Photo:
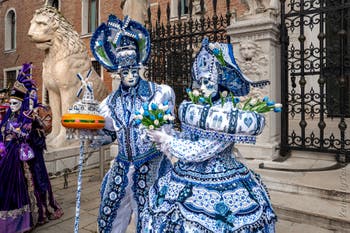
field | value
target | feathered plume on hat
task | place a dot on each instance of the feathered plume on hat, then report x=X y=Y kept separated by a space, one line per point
x=120 y=44
x=217 y=62
x=23 y=84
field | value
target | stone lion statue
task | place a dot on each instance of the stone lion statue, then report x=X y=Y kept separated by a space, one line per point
x=137 y=10
x=65 y=56
x=259 y=6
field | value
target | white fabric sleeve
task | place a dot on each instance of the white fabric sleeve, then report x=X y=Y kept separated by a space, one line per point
x=194 y=151
x=106 y=113
x=164 y=93
x=106 y=135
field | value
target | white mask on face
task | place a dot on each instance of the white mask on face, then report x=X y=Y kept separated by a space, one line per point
x=208 y=87
x=130 y=77
x=15 y=105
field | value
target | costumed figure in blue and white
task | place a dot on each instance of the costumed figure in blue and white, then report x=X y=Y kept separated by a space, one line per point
x=123 y=48
x=209 y=190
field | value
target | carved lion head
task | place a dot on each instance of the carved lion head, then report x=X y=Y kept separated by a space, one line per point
x=49 y=28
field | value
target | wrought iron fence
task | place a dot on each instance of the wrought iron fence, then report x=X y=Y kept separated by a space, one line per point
x=175 y=42
x=315 y=53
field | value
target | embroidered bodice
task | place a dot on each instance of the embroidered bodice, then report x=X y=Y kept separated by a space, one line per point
x=13 y=129
x=212 y=130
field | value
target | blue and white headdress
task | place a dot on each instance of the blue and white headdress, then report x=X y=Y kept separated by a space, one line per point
x=121 y=44
x=216 y=61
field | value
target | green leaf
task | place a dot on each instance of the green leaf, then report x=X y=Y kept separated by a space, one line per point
x=246 y=104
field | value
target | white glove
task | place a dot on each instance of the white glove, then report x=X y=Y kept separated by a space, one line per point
x=160 y=138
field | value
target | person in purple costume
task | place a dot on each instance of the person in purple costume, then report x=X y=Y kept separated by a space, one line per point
x=15 y=203
x=20 y=198
x=48 y=208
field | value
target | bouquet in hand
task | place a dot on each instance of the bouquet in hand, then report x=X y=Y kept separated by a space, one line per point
x=260 y=105
x=153 y=116
x=251 y=104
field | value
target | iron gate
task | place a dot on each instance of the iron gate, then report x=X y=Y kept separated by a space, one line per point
x=315 y=54
x=175 y=42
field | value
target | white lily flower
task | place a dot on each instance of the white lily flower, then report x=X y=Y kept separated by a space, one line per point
x=140 y=117
x=171 y=118
x=253 y=102
x=156 y=122
x=166 y=117
x=224 y=94
x=278 y=105
x=196 y=93
x=151 y=127
x=163 y=107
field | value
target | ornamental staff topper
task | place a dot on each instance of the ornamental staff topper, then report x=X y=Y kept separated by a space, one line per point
x=83 y=121
x=84 y=113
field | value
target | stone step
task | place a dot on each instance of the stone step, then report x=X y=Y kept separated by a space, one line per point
x=284 y=226
x=326 y=214
x=330 y=194
x=332 y=185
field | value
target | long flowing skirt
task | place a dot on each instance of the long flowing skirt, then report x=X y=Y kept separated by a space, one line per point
x=15 y=209
x=48 y=207
x=219 y=195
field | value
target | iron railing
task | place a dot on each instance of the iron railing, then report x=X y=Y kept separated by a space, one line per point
x=315 y=56
x=175 y=42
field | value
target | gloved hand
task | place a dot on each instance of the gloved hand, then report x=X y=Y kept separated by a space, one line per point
x=160 y=138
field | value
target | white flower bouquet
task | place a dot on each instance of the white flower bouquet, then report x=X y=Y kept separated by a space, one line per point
x=251 y=104
x=153 y=116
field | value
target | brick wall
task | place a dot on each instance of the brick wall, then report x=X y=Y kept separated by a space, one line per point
x=25 y=50
x=235 y=6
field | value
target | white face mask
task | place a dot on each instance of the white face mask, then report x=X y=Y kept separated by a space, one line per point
x=15 y=105
x=208 y=87
x=130 y=77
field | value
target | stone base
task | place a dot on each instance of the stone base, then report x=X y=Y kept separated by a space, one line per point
x=58 y=160
x=262 y=151
x=320 y=199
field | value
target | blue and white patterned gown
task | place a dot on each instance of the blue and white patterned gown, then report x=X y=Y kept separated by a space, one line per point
x=208 y=190
x=138 y=163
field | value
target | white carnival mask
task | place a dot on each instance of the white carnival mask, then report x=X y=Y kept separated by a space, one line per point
x=15 y=105
x=208 y=86
x=129 y=76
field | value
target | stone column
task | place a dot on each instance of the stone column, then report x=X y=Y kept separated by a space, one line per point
x=255 y=40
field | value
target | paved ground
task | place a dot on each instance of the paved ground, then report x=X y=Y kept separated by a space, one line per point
x=90 y=202
x=66 y=197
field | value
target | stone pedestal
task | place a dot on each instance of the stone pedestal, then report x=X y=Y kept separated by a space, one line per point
x=58 y=160
x=255 y=42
